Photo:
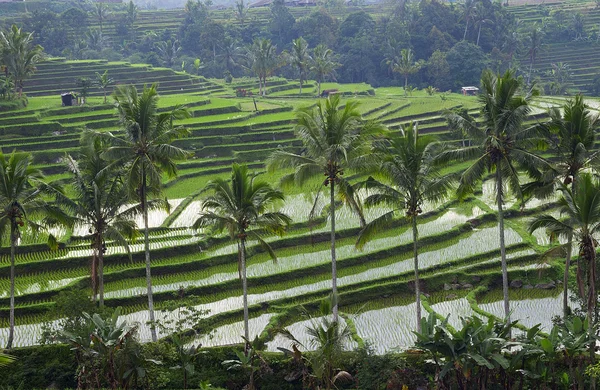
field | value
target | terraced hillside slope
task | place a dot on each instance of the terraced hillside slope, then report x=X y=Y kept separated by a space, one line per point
x=459 y=240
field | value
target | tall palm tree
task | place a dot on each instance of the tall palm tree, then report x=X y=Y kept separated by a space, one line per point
x=571 y=135
x=323 y=65
x=406 y=66
x=534 y=46
x=300 y=58
x=501 y=144
x=22 y=206
x=581 y=221
x=263 y=60
x=103 y=81
x=99 y=201
x=334 y=142
x=101 y=12
x=407 y=164
x=481 y=18
x=145 y=150
x=242 y=208
x=468 y=11
x=20 y=55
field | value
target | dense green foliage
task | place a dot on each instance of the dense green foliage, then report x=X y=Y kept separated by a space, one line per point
x=451 y=42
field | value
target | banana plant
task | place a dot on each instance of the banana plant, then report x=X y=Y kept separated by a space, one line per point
x=475 y=353
x=98 y=350
x=327 y=339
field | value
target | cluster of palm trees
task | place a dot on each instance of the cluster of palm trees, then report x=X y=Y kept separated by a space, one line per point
x=111 y=173
x=263 y=60
x=118 y=176
x=406 y=168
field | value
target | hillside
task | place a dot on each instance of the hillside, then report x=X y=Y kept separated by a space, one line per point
x=459 y=240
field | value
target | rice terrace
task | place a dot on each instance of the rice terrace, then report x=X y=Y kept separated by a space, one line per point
x=175 y=229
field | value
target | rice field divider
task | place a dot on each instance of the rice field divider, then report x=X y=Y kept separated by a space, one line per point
x=292 y=276
x=268 y=288
x=70 y=252
x=290 y=280
x=141 y=305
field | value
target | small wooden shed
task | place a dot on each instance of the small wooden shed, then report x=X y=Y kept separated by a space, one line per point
x=68 y=98
x=469 y=90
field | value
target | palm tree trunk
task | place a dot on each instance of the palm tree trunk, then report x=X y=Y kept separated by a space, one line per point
x=502 y=243
x=566 y=277
x=101 y=275
x=318 y=88
x=300 y=83
x=530 y=69
x=466 y=27
x=405 y=84
x=94 y=273
x=242 y=250
x=13 y=249
x=417 y=281
x=333 y=258
x=478 y=35
x=591 y=310
x=147 y=253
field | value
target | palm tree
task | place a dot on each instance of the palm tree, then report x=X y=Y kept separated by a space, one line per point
x=406 y=66
x=468 y=11
x=407 y=161
x=262 y=57
x=240 y=11
x=581 y=221
x=146 y=151
x=481 y=18
x=231 y=54
x=571 y=136
x=300 y=58
x=168 y=51
x=20 y=55
x=103 y=81
x=101 y=12
x=323 y=65
x=334 y=142
x=22 y=205
x=100 y=196
x=534 y=46
x=240 y=207
x=501 y=144
x=95 y=39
